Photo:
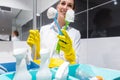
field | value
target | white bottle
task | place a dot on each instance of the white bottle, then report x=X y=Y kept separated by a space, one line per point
x=21 y=68
x=44 y=72
x=62 y=72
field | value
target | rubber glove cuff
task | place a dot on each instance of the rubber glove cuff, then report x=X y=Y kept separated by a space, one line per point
x=55 y=62
x=37 y=61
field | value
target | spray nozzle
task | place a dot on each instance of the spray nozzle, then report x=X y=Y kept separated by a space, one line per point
x=20 y=54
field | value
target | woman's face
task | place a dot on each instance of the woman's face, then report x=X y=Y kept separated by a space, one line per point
x=63 y=6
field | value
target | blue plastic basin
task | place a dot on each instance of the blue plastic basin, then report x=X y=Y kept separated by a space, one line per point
x=12 y=66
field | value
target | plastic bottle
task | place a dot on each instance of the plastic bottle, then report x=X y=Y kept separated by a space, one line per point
x=44 y=72
x=21 y=68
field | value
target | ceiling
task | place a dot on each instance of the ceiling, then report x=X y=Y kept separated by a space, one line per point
x=15 y=12
x=18 y=6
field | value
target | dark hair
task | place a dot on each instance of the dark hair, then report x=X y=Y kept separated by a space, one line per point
x=16 y=33
x=74 y=4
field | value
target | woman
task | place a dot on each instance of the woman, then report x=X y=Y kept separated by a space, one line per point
x=15 y=35
x=69 y=42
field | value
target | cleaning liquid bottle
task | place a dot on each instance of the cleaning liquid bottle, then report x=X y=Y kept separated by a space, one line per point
x=62 y=72
x=21 y=68
x=44 y=72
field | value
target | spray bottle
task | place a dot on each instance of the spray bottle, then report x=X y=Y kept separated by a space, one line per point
x=21 y=68
x=44 y=72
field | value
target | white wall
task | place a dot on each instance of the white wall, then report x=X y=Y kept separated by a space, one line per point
x=6 y=49
x=6 y=46
x=104 y=52
x=42 y=5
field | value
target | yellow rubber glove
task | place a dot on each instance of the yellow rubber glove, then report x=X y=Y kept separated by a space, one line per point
x=66 y=46
x=34 y=40
x=55 y=62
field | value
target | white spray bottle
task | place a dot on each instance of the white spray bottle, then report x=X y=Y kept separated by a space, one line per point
x=44 y=72
x=62 y=72
x=21 y=68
